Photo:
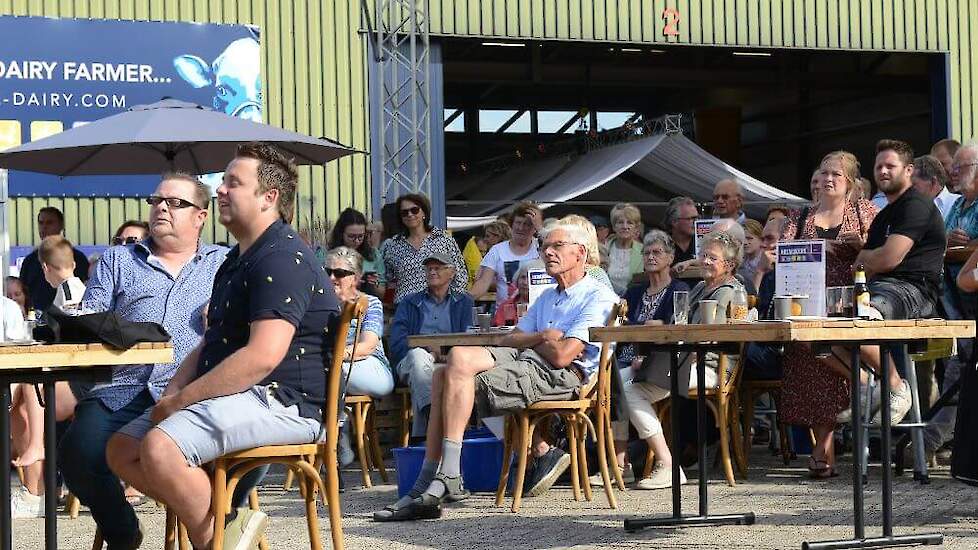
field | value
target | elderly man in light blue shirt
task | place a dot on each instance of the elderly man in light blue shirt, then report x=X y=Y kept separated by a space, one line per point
x=548 y=356
x=165 y=279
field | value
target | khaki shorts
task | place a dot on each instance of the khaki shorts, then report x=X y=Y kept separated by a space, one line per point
x=519 y=379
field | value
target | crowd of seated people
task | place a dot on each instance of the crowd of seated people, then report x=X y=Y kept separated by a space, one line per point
x=250 y=330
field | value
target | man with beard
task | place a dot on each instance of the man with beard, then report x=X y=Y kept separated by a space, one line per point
x=903 y=257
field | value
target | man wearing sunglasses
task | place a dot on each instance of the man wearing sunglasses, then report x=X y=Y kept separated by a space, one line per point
x=257 y=377
x=166 y=279
x=50 y=221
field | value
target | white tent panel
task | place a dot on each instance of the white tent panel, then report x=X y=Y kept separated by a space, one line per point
x=671 y=162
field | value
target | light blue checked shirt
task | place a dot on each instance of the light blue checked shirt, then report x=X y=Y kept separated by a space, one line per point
x=573 y=310
x=132 y=282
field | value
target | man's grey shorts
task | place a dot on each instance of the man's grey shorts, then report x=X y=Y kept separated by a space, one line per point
x=898 y=299
x=221 y=425
x=519 y=379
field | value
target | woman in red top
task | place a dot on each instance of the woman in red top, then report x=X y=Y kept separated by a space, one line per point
x=815 y=393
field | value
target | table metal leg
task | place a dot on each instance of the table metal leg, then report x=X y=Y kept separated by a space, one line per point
x=50 y=470
x=860 y=540
x=677 y=519
x=6 y=537
x=677 y=490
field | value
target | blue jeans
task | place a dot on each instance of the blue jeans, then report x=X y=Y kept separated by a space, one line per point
x=81 y=458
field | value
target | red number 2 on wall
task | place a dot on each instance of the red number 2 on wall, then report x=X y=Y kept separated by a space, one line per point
x=672 y=18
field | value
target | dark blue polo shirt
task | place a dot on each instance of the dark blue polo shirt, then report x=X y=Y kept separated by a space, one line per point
x=277 y=278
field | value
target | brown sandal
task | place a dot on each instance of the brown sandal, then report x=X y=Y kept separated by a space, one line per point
x=820 y=469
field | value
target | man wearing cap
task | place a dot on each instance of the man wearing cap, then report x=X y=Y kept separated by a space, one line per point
x=436 y=310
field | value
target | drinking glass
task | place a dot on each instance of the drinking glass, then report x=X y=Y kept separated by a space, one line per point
x=680 y=307
x=838 y=301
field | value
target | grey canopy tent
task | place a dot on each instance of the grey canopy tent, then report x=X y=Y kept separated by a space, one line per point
x=671 y=163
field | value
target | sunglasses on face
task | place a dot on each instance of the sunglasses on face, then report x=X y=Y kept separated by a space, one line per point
x=339 y=273
x=128 y=240
x=413 y=211
x=172 y=202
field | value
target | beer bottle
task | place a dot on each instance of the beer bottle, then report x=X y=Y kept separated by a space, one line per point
x=860 y=291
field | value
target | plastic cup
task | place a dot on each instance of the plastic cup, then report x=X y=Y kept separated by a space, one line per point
x=708 y=312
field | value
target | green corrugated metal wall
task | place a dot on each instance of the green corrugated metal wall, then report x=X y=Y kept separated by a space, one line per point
x=314 y=81
x=315 y=78
x=918 y=25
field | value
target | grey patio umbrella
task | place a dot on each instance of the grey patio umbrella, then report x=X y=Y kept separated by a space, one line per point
x=167 y=135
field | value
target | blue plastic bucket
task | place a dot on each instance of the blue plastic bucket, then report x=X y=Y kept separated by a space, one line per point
x=482 y=460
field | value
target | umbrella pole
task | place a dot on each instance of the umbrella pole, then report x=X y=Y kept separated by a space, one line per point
x=4 y=240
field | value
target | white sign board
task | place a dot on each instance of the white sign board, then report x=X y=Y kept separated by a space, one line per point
x=701 y=229
x=801 y=271
x=539 y=281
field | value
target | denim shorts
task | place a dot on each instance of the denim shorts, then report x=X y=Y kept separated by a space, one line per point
x=214 y=427
x=899 y=299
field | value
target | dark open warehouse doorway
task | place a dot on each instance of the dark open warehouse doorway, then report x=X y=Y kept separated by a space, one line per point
x=771 y=113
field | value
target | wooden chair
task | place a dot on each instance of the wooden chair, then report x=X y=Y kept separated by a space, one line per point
x=749 y=392
x=362 y=415
x=307 y=458
x=724 y=402
x=406 y=414
x=594 y=396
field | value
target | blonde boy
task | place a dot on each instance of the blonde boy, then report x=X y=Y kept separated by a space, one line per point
x=58 y=264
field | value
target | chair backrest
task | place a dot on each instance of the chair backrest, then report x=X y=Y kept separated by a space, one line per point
x=335 y=381
x=727 y=382
x=601 y=388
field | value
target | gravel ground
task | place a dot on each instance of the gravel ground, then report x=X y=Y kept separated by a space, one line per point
x=790 y=509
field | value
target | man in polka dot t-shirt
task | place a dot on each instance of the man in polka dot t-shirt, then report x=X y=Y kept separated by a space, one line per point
x=257 y=379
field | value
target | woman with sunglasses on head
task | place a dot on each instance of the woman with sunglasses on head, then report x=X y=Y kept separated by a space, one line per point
x=816 y=393
x=371 y=373
x=416 y=240
x=350 y=230
x=131 y=231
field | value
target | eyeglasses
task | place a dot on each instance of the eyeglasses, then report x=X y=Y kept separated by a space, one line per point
x=172 y=202
x=413 y=211
x=116 y=241
x=956 y=168
x=555 y=245
x=655 y=252
x=339 y=273
x=354 y=237
x=436 y=268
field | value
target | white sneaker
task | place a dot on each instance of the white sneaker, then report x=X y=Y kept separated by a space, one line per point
x=25 y=505
x=627 y=475
x=901 y=401
x=845 y=417
x=661 y=478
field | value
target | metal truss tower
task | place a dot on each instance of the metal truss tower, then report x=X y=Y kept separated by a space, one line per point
x=401 y=98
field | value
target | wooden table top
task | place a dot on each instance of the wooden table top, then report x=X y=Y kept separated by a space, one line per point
x=789 y=331
x=489 y=338
x=19 y=357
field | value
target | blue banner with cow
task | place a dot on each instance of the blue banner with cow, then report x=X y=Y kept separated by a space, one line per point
x=59 y=73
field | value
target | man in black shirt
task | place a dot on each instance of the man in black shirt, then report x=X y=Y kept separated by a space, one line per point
x=257 y=379
x=50 y=221
x=903 y=257
x=904 y=250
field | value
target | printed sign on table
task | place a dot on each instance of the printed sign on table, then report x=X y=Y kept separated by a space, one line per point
x=539 y=281
x=701 y=228
x=801 y=271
